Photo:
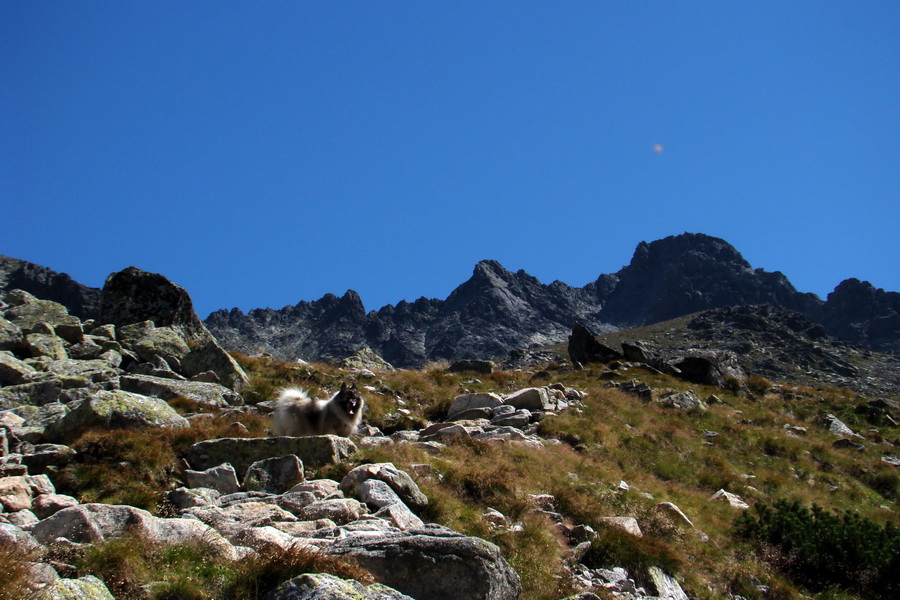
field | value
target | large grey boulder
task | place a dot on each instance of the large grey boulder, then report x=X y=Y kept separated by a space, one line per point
x=321 y=586
x=132 y=296
x=339 y=510
x=94 y=523
x=212 y=357
x=11 y=337
x=231 y=520
x=205 y=394
x=29 y=315
x=314 y=451
x=221 y=478
x=537 y=398
x=82 y=373
x=433 y=562
x=116 y=410
x=161 y=341
x=274 y=475
x=399 y=481
x=48 y=345
x=37 y=393
x=14 y=371
x=466 y=402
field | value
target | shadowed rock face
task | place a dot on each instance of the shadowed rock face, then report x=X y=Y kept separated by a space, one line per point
x=132 y=296
x=682 y=274
x=81 y=300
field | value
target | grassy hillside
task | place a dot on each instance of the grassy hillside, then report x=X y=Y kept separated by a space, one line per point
x=765 y=444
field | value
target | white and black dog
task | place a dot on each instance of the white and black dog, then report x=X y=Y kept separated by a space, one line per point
x=297 y=414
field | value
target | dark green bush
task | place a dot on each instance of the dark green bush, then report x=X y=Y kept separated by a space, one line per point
x=820 y=549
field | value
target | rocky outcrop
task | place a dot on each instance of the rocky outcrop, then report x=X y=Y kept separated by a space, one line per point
x=682 y=274
x=81 y=300
x=132 y=296
x=858 y=312
x=721 y=347
x=434 y=562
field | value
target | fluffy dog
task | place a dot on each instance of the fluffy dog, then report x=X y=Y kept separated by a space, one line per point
x=297 y=414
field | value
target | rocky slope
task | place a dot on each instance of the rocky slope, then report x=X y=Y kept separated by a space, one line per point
x=768 y=341
x=574 y=482
x=497 y=311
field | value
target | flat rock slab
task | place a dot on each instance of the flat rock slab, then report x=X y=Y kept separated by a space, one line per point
x=314 y=451
x=205 y=394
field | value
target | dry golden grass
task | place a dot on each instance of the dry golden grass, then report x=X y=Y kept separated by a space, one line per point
x=663 y=454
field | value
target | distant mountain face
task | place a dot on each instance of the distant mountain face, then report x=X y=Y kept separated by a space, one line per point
x=497 y=311
x=491 y=314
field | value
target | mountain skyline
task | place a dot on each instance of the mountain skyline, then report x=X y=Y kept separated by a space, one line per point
x=260 y=156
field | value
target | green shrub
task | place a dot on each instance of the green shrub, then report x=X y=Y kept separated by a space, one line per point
x=821 y=549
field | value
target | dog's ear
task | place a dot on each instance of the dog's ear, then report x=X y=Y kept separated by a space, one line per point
x=343 y=386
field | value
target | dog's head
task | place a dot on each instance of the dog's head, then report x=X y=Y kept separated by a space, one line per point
x=350 y=399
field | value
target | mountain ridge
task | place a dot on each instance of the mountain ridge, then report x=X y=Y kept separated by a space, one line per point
x=497 y=311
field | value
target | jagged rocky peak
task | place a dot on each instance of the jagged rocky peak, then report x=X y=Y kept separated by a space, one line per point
x=696 y=250
x=859 y=312
x=681 y=274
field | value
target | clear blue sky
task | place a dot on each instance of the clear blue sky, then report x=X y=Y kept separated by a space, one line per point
x=264 y=153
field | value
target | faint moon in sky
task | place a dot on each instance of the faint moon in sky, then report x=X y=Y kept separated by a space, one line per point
x=658 y=148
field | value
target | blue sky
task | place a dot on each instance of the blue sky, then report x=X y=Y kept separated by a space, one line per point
x=264 y=153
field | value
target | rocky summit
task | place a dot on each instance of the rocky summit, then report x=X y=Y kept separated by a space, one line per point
x=497 y=312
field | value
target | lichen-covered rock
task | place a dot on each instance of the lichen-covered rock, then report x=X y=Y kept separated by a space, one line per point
x=433 y=562
x=11 y=337
x=212 y=357
x=399 y=481
x=26 y=316
x=161 y=341
x=116 y=410
x=314 y=451
x=205 y=394
x=80 y=373
x=84 y=588
x=14 y=371
x=33 y=393
x=686 y=400
x=320 y=586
